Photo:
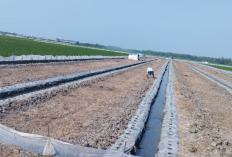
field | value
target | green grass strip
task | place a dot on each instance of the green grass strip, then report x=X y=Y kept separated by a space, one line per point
x=19 y=46
x=220 y=67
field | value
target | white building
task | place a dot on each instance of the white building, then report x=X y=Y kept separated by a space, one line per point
x=133 y=57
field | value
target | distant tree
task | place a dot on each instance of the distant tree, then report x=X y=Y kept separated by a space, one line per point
x=221 y=60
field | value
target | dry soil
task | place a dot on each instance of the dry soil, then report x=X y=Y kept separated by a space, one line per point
x=16 y=74
x=205 y=120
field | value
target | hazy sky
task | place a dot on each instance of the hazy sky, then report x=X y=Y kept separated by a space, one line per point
x=197 y=27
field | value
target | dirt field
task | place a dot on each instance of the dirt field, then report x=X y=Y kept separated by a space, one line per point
x=93 y=113
x=205 y=120
x=219 y=74
x=11 y=75
x=15 y=151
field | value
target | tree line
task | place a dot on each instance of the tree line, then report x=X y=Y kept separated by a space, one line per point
x=222 y=60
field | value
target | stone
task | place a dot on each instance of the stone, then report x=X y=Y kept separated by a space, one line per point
x=192 y=149
x=16 y=151
x=214 y=144
x=139 y=147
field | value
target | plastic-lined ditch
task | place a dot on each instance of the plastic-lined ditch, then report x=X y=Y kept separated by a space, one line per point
x=43 y=84
x=169 y=139
x=151 y=136
x=132 y=135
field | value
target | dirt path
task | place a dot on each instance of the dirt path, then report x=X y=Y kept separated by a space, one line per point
x=93 y=113
x=205 y=120
x=11 y=75
x=217 y=73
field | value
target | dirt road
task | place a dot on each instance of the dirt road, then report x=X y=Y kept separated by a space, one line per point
x=93 y=113
x=205 y=120
x=11 y=75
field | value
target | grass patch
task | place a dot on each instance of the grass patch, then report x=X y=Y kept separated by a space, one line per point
x=220 y=67
x=19 y=46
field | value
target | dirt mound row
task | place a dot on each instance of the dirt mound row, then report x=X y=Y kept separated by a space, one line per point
x=204 y=114
x=17 y=74
x=224 y=76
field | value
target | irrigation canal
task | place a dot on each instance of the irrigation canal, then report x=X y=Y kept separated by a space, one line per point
x=151 y=136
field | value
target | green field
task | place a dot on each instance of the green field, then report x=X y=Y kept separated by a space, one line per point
x=220 y=67
x=17 y=46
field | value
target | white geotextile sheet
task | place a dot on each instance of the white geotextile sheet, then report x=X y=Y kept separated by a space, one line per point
x=50 y=57
x=37 y=144
x=136 y=125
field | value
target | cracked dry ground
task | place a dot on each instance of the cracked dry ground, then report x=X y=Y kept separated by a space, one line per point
x=204 y=119
x=92 y=113
x=224 y=76
x=16 y=74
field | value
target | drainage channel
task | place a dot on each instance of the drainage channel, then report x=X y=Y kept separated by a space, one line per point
x=151 y=137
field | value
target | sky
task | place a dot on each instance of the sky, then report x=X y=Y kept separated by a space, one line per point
x=196 y=27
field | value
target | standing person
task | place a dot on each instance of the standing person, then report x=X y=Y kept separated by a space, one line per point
x=150 y=72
